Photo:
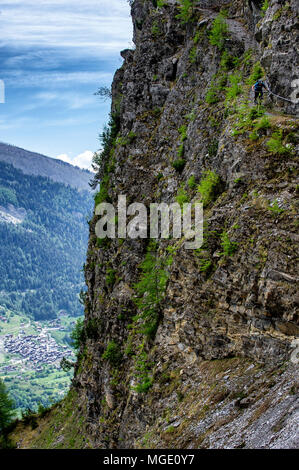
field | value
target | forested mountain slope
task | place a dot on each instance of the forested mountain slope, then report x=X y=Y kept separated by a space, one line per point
x=32 y=163
x=43 y=233
x=43 y=239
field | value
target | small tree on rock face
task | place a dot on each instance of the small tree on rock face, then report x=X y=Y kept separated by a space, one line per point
x=6 y=408
x=219 y=31
x=66 y=365
x=186 y=10
x=104 y=92
x=78 y=334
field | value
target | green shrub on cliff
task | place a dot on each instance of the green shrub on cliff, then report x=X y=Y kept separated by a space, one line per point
x=275 y=208
x=257 y=73
x=265 y=6
x=186 y=8
x=254 y=135
x=191 y=182
x=102 y=195
x=182 y=196
x=156 y=31
x=78 y=334
x=263 y=123
x=275 y=144
x=205 y=265
x=179 y=164
x=122 y=141
x=100 y=161
x=228 y=62
x=92 y=328
x=181 y=150
x=142 y=371
x=212 y=94
x=235 y=88
x=219 y=31
x=110 y=277
x=150 y=290
x=229 y=247
x=198 y=35
x=112 y=353
x=209 y=187
x=213 y=148
x=245 y=117
x=216 y=86
x=183 y=132
x=193 y=55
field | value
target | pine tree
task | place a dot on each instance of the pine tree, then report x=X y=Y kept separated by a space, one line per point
x=6 y=408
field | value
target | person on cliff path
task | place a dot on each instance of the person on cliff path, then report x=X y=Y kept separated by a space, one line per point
x=258 y=91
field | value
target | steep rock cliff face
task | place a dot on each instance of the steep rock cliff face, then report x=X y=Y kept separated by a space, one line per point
x=207 y=356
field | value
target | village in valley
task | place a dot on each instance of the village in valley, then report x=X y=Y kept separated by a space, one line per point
x=30 y=351
x=36 y=349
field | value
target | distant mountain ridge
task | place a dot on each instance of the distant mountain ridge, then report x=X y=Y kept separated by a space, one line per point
x=32 y=163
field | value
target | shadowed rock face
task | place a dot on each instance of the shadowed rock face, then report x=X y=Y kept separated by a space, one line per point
x=217 y=372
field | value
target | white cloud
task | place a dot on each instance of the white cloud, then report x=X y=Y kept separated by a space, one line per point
x=69 y=100
x=83 y=160
x=100 y=26
x=53 y=79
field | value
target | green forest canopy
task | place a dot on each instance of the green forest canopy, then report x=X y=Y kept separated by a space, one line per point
x=41 y=259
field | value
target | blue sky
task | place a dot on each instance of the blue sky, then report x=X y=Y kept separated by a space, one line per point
x=54 y=54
